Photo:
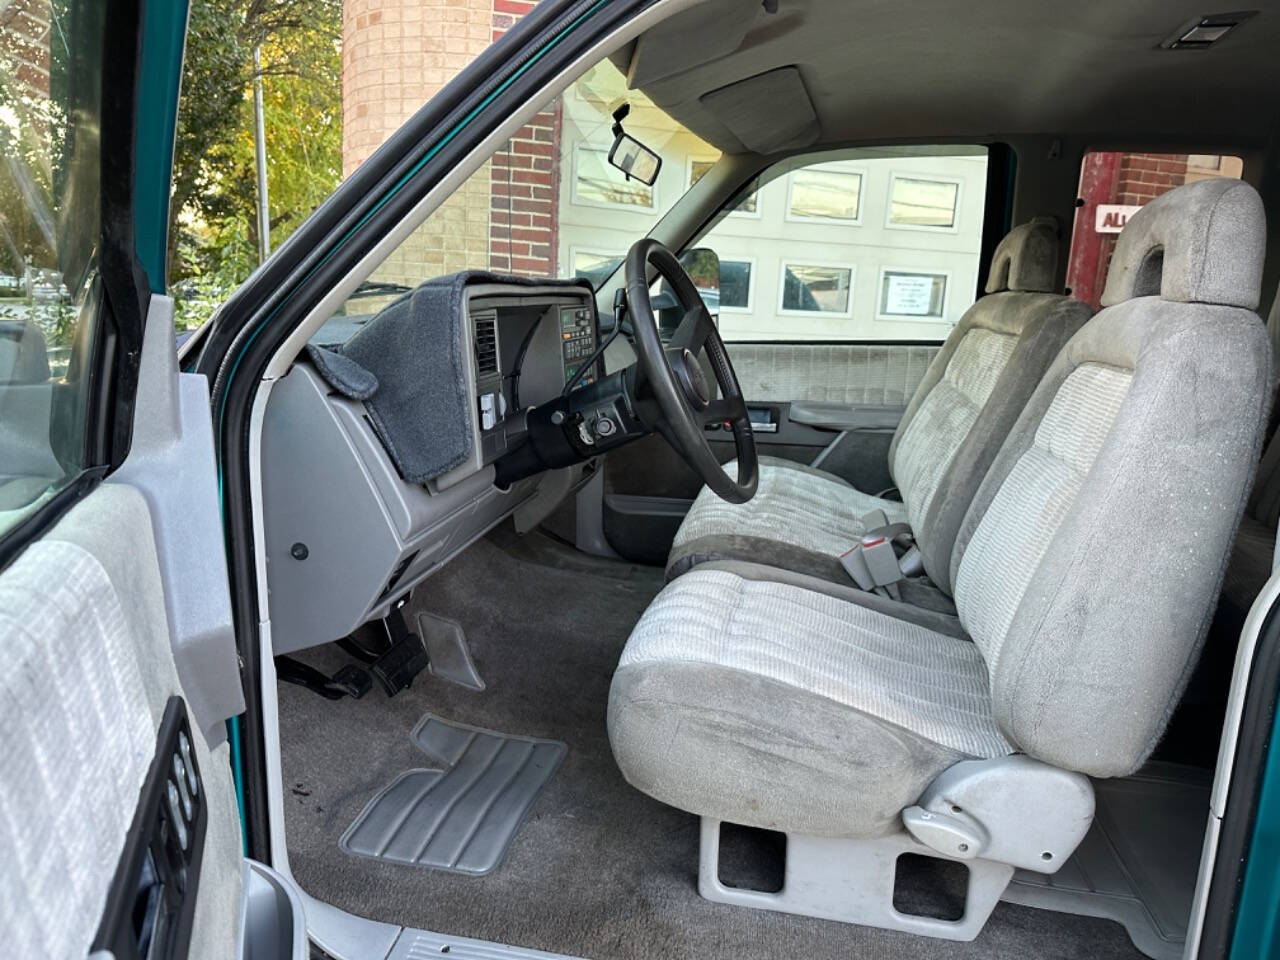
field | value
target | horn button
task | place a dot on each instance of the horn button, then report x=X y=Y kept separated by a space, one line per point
x=688 y=373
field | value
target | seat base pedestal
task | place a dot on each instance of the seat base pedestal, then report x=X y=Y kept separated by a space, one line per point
x=853 y=881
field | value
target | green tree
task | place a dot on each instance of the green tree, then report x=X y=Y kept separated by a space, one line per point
x=213 y=222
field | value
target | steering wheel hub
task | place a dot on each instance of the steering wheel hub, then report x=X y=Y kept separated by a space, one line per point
x=689 y=375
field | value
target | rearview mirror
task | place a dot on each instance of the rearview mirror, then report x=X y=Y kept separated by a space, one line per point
x=634 y=159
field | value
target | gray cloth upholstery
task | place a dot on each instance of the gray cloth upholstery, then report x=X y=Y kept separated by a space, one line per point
x=1026 y=259
x=1036 y=326
x=1192 y=245
x=850 y=374
x=342 y=373
x=829 y=726
x=1086 y=572
x=1093 y=650
x=1143 y=435
x=912 y=608
x=801 y=519
x=948 y=436
x=82 y=614
x=415 y=350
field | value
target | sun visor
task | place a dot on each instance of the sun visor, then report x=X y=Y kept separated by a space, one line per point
x=768 y=112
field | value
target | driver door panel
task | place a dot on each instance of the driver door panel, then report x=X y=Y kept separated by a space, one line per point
x=90 y=673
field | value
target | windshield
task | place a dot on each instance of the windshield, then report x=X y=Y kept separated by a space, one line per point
x=875 y=243
x=548 y=203
x=602 y=213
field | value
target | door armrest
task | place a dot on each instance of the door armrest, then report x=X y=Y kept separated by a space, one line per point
x=836 y=416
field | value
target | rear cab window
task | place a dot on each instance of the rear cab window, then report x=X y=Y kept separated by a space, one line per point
x=1113 y=187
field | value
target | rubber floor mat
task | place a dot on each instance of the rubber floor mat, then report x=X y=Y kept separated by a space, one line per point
x=463 y=812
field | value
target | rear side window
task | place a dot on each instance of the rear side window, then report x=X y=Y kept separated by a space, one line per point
x=50 y=109
x=1113 y=187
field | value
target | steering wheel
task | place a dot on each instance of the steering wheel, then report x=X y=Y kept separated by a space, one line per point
x=684 y=397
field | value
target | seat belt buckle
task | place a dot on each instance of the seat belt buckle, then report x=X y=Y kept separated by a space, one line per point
x=874 y=520
x=872 y=564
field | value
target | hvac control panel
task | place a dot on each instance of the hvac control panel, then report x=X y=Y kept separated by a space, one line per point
x=577 y=341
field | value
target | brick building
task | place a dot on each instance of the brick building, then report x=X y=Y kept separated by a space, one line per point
x=1126 y=180
x=396 y=55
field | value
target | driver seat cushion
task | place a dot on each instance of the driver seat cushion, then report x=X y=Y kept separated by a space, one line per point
x=965 y=405
x=827 y=727
x=800 y=519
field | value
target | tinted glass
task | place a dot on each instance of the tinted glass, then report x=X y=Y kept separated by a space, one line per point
x=50 y=100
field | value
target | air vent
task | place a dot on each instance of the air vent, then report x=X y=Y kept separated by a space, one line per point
x=486 y=339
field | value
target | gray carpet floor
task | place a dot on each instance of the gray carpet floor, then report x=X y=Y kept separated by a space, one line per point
x=598 y=869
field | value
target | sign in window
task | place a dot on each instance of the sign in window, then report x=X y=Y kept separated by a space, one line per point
x=906 y=295
x=923 y=203
x=816 y=288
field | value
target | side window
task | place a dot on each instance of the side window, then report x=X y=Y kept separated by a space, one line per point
x=867 y=245
x=50 y=77
x=1113 y=187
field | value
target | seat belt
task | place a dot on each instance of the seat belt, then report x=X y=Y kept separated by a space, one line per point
x=874 y=564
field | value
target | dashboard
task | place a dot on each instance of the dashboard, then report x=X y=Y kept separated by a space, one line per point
x=527 y=347
x=347 y=536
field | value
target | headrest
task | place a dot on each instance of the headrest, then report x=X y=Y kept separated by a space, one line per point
x=1026 y=259
x=23 y=356
x=1199 y=243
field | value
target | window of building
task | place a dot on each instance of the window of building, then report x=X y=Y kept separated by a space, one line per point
x=816 y=288
x=912 y=295
x=598 y=184
x=596 y=267
x=736 y=286
x=827 y=263
x=923 y=203
x=826 y=193
x=698 y=169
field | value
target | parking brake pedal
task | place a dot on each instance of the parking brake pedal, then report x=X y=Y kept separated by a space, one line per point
x=404 y=659
x=350 y=681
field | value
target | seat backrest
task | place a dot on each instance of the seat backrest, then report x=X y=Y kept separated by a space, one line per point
x=976 y=386
x=1088 y=564
x=1264 y=501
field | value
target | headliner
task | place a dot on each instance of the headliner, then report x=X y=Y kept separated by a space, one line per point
x=893 y=69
